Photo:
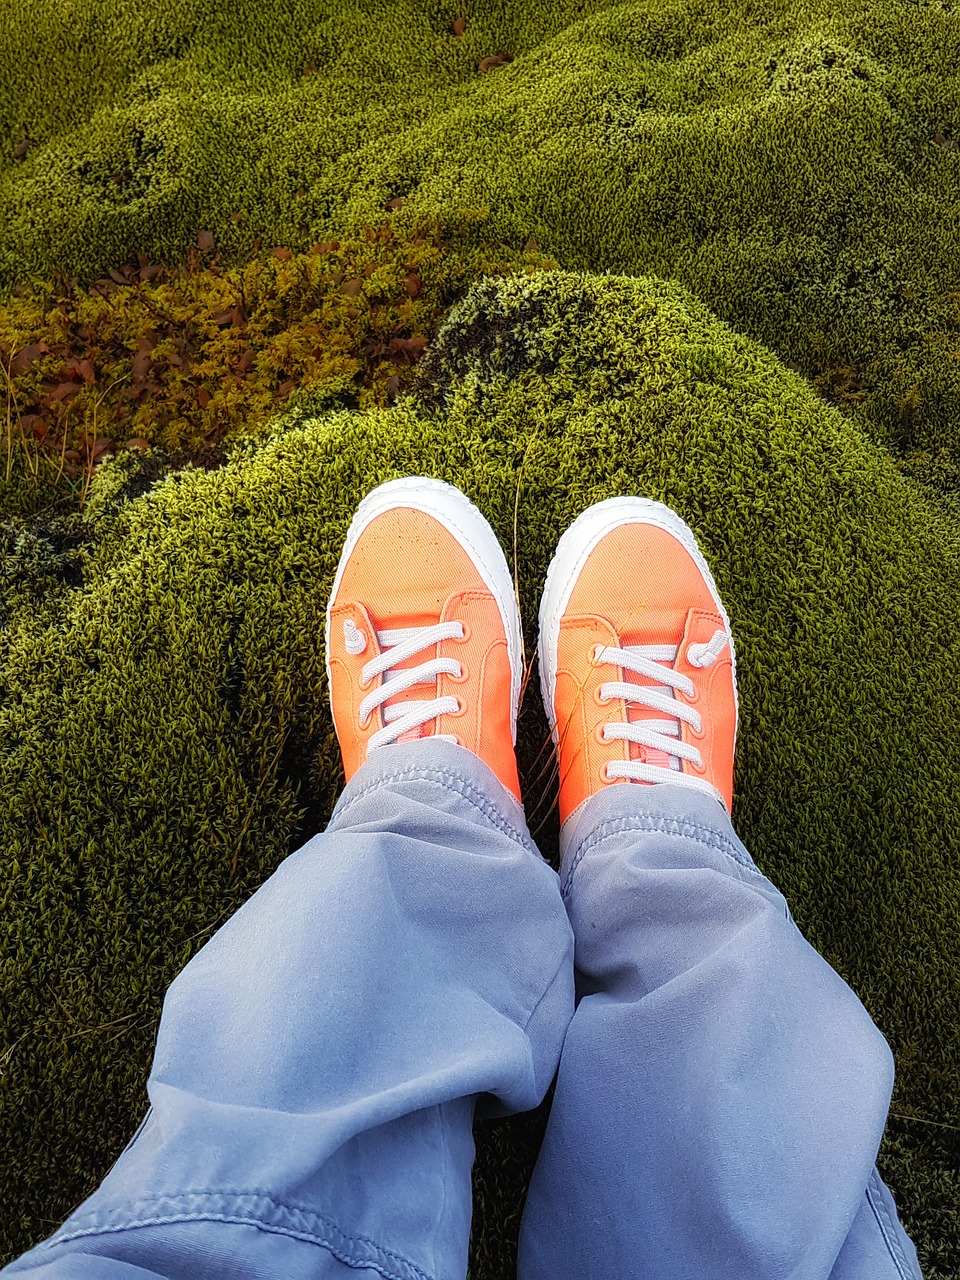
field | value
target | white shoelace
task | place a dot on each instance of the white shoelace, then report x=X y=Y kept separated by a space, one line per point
x=661 y=735
x=645 y=660
x=397 y=646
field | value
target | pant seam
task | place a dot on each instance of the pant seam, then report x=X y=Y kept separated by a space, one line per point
x=546 y=991
x=447 y=779
x=887 y=1229
x=651 y=823
x=253 y=1208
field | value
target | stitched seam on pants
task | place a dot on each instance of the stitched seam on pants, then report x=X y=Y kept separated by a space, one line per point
x=657 y=824
x=445 y=778
x=547 y=989
x=887 y=1228
x=253 y=1208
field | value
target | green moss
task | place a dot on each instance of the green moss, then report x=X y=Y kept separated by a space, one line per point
x=165 y=735
x=795 y=165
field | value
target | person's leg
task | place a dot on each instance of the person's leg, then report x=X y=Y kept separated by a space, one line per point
x=722 y=1092
x=318 y=1062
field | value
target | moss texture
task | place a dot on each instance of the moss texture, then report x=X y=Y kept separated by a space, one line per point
x=795 y=164
x=165 y=736
x=755 y=212
x=190 y=358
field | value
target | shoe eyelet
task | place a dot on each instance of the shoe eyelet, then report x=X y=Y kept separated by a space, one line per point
x=599 y=734
x=692 y=697
x=460 y=711
x=467 y=633
x=462 y=678
x=603 y=775
x=598 y=697
x=698 y=733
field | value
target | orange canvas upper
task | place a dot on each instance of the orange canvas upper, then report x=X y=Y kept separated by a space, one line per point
x=408 y=570
x=639 y=586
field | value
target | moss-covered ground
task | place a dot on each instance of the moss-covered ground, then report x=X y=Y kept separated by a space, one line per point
x=705 y=252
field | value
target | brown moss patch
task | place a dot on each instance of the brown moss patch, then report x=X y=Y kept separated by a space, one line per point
x=190 y=356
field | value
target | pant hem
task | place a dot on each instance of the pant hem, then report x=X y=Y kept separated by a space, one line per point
x=887 y=1227
x=251 y=1208
x=461 y=772
x=668 y=813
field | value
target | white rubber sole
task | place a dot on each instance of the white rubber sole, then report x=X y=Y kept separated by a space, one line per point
x=575 y=545
x=470 y=527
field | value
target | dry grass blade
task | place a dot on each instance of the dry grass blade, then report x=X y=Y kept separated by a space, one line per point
x=92 y=436
x=939 y=1124
x=32 y=459
x=516 y=575
x=9 y=423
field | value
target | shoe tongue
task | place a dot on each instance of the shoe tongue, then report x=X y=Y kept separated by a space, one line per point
x=664 y=656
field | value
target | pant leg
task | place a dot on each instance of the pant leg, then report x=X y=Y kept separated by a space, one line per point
x=319 y=1060
x=722 y=1092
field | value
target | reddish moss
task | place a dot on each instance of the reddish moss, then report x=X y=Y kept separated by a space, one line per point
x=187 y=357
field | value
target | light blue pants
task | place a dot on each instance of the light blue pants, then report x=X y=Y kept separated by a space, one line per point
x=721 y=1091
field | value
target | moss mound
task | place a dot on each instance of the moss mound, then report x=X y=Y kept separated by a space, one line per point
x=165 y=735
x=796 y=165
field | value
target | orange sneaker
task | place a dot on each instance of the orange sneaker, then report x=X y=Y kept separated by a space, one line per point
x=631 y=623
x=423 y=596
